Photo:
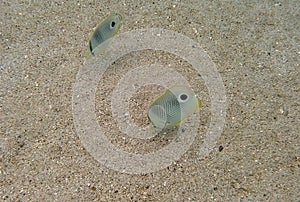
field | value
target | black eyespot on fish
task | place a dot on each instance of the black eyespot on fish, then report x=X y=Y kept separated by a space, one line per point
x=112 y=24
x=183 y=97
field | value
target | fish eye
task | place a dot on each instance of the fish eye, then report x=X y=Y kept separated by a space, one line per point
x=183 y=97
x=113 y=24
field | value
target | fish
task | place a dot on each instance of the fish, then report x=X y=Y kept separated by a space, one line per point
x=173 y=107
x=108 y=28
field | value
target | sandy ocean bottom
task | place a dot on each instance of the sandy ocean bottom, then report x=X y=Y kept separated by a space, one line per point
x=255 y=48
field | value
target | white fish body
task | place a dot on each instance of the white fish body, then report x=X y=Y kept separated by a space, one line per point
x=105 y=30
x=173 y=107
